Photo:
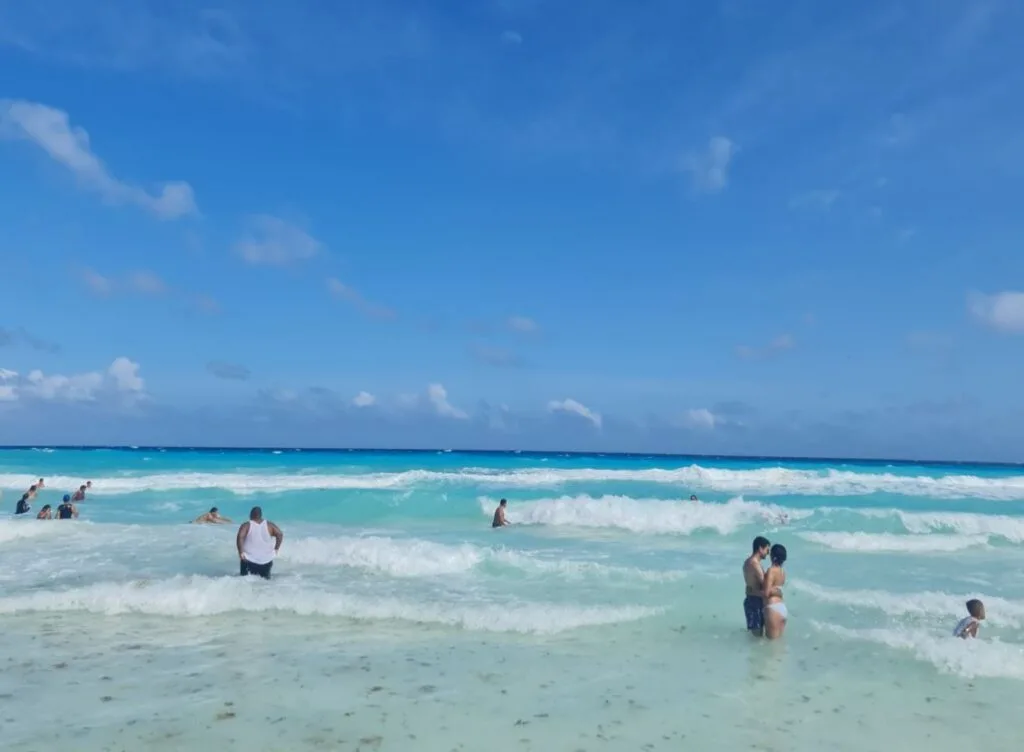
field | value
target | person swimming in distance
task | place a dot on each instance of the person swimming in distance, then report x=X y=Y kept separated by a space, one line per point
x=32 y=491
x=67 y=510
x=258 y=542
x=212 y=517
x=23 y=506
x=753 y=578
x=499 y=515
x=775 y=613
x=80 y=493
x=968 y=626
x=693 y=497
x=45 y=513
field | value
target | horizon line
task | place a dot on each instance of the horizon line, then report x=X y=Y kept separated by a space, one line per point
x=529 y=452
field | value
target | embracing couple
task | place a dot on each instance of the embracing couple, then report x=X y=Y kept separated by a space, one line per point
x=763 y=606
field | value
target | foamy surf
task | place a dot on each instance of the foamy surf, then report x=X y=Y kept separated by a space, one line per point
x=766 y=481
x=196 y=597
x=646 y=515
x=969 y=659
x=936 y=608
x=886 y=543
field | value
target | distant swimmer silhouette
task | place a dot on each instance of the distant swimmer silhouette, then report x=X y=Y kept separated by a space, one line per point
x=968 y=626
x=213 y=517
x=499 y=515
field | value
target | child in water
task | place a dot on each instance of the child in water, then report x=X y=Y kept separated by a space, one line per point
x=968 y=626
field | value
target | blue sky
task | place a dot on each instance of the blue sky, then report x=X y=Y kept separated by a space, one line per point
x=727 y=226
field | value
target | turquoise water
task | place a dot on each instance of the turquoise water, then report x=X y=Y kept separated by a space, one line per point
x=607 y=617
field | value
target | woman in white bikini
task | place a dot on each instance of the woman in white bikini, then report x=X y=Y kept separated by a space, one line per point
x=775 y=613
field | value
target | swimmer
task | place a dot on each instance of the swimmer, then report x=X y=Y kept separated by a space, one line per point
x=258 y=542
x=212 y=517
x=775 y=613
x=753 y=577
x=45 y=513
x=32 y=491
x=80 y=493
x=23 y=505
x=67 y=510
x=968 y=626
x=693 y=497
x=499 y=515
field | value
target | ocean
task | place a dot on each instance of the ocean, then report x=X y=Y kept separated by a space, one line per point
x=608 y=616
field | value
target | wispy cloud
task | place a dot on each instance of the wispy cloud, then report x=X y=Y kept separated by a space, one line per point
x=11 y=337
x=340 y=291
x=438 y=397
x=522 y=325
x=97 y=283
x=779 y=345
x=701 y=418
x=511 y=37
x=228 y=371
x=499 y=357
x=572 y=407
x=272 y=241
x=710 y=168
x=364 y=399
x=50 y=129
x=146 y=283
x=1002 y=311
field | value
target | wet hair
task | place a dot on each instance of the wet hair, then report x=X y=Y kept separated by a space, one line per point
x=255 y=513
x=45 y=507
x=693 y=497
x=778 y=554
x=975 y=607
x=33 y=487
x=213 y=510
x=759 y=543
x=503 y=502
x=81 y=488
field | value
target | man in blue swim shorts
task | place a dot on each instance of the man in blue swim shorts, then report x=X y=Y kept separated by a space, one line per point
x=753 y=576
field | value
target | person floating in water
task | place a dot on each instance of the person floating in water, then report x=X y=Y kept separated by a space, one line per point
x=753 y=577
x=23 y=506
x=968 y=626
x=80 y=493
x=258 y=542
x=213 y=517
x=693 y=497
x=67 y=510
x=46 y=513
x=499 y=515
x=775 y=613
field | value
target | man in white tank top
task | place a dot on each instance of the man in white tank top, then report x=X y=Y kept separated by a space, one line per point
x=258 y=542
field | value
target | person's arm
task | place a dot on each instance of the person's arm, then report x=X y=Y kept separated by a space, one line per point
x=972 y=630
x=767 y=585
x=242 y=530
x=278 y=535
x=74 y=511
x=224 y=520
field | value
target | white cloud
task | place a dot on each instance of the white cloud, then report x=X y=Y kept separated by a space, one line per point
x=50 y=129
x=575 y=408
x=438 y=397
x=341 y=291
x=1002 y=311
x=522 y=324
x=121 y=380
x=271 y=241
x=364 y=399
x=701 y=417
x=779 y=345
x=511 y=37
x=710 y=169
x=146 y=283
x=97 y=283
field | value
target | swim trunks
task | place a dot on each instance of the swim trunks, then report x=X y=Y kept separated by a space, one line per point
x=753 y=607
x=260 y=570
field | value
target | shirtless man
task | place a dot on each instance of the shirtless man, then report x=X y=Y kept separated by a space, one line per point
x=753 y=576
x=213 y=517
x=80 y=493
x=499 y=515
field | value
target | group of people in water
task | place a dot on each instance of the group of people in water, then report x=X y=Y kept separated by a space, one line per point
x=258 y=541
x=66 y=510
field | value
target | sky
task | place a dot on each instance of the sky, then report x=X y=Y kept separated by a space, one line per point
x=718 y=227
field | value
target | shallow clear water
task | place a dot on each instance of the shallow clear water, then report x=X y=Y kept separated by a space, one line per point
x=608 y=617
